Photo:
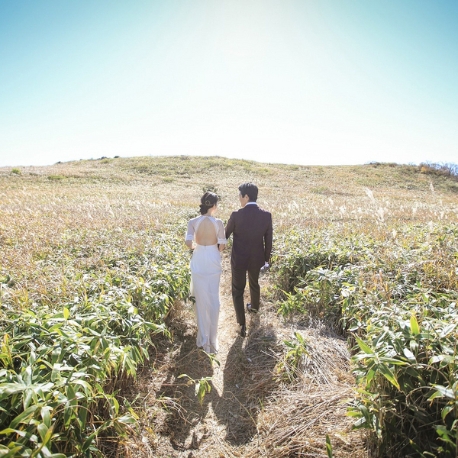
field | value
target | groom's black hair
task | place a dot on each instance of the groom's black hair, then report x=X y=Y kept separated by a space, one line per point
x=249 y=189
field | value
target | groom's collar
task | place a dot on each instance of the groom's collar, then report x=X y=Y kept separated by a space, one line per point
x=251 y=203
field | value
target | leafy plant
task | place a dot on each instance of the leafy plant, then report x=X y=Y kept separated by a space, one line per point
x=290 y=364
x=61 y=367
x=397 y=303
x=202 y=386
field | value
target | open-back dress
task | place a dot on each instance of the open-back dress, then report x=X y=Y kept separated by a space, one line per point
x=205 y=278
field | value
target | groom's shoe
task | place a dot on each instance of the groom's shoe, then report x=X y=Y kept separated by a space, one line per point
x=250 y=309
x=243 y=330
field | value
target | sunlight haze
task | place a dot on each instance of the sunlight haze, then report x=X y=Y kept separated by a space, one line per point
x=305 y=82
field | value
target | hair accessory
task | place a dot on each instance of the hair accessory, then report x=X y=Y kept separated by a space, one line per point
x=207 y=203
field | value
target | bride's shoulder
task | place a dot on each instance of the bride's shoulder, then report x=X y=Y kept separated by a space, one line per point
x=192 y=220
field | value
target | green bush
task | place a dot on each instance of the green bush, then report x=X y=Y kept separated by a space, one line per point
x=62 y=366
x=395 y=297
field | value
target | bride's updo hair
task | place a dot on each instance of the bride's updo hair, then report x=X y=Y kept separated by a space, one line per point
x=207 y=201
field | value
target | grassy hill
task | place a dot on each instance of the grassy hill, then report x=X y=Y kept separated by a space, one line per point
x=93 y=250
x=40 y=205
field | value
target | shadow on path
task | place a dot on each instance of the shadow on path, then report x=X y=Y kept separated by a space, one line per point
x=186 y=412
x=247 y=380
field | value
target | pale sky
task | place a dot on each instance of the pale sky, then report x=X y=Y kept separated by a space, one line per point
x=305 y=82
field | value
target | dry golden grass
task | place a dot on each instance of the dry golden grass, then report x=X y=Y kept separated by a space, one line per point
x=103 y=202
x=61 y=220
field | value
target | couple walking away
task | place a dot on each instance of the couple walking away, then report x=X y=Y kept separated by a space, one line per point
x=251 y=228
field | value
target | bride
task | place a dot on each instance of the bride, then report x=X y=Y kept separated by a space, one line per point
x=207 y=233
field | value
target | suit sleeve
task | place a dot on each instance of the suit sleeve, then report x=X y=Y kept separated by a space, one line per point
x=268 y=240
x=230 y=226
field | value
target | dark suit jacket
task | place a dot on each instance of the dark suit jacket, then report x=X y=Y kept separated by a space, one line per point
x=252 y=229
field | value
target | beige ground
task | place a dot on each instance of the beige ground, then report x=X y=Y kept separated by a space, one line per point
x=249 y=412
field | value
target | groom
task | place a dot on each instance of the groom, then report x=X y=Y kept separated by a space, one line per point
x=252 y=245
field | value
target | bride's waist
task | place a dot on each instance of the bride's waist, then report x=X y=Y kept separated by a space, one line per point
x=206 y=246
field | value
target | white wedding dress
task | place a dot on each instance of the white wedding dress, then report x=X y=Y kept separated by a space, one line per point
x=205 y=278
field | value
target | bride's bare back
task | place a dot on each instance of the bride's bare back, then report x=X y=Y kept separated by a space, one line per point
x=206 y=231
x=205 y=234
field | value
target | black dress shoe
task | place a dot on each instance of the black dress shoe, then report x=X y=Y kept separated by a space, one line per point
x=243 y=330
x=250 y=309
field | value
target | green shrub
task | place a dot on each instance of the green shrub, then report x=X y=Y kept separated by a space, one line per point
x=396 y=299
x=61 y=367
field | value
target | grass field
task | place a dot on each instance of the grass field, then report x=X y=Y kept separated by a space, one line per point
x=94 y=275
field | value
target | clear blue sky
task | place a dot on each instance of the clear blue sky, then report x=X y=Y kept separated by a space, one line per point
x=305 y=82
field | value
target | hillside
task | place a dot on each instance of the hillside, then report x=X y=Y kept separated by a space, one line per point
x=90 y=227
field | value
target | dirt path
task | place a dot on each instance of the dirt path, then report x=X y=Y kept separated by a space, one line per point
x=249 y=410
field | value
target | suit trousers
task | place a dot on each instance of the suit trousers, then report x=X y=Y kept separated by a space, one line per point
x=238 y=288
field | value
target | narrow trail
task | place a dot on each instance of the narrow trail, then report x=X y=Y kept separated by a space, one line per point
x=248 y=411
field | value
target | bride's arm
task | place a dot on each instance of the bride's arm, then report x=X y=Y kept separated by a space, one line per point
x=189 y=235
x=221 y=236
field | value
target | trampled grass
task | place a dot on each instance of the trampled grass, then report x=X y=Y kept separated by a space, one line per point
x=92 y=259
